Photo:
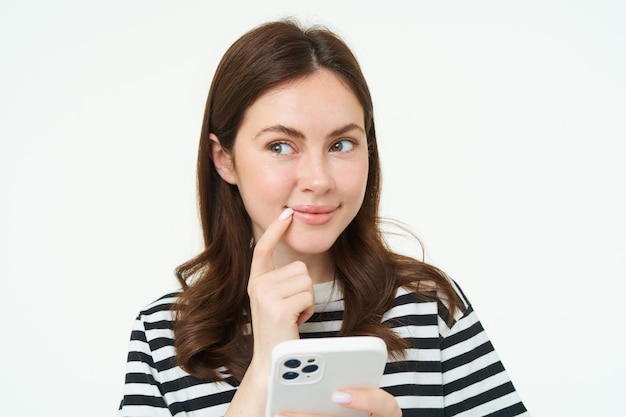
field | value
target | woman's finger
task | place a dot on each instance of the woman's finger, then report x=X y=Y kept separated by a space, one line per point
x=375 y=400
x=264 y=249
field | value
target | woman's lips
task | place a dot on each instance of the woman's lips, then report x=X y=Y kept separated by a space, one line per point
x=314 y=215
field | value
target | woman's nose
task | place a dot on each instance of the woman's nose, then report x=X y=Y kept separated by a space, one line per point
x=315 y=174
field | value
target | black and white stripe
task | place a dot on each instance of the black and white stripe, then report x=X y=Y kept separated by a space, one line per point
x=446 y=371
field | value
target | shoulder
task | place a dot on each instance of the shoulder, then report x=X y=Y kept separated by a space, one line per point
x=156 y=320
x=415 y=308
x=160 y=308
x=408 y=297
x=152 y=337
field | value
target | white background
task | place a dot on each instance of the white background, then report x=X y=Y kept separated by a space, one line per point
x=502 y=133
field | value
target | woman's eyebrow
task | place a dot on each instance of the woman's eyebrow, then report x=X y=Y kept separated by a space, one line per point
x=345 y=129
x=289 y=131
x=295 y=133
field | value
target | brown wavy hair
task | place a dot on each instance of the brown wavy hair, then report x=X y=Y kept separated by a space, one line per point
x=211 y=325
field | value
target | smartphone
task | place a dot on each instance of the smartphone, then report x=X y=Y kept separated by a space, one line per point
x=305 y=372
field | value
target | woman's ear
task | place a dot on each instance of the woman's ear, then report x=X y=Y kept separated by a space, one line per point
x=223 y=161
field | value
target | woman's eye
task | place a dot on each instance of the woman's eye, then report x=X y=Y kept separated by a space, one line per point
x=343 y=145
x=280 y=148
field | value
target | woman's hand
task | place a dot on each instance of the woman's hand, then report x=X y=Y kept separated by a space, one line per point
x=280 y=299
x=377 y=402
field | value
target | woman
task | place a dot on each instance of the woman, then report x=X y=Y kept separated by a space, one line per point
x=289 y=188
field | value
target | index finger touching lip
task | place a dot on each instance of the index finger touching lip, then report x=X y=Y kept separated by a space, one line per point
x=262 y=258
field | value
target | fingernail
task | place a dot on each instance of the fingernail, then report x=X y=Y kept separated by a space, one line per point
x=286 y=213
x=341 y=397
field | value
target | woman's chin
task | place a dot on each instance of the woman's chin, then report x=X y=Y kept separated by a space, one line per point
x=309 y=245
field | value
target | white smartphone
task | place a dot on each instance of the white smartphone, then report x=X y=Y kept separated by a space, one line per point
x=305 y=372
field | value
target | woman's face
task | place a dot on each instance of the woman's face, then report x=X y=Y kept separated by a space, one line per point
x=303 y=145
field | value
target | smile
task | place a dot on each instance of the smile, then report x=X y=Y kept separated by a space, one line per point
x=314 y=215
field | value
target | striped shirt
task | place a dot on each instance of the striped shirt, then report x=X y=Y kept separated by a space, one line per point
x=446 y=371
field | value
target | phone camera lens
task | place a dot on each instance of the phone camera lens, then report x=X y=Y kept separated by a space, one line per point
x=310 y=368
x=290 y=375
x=292 y=363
